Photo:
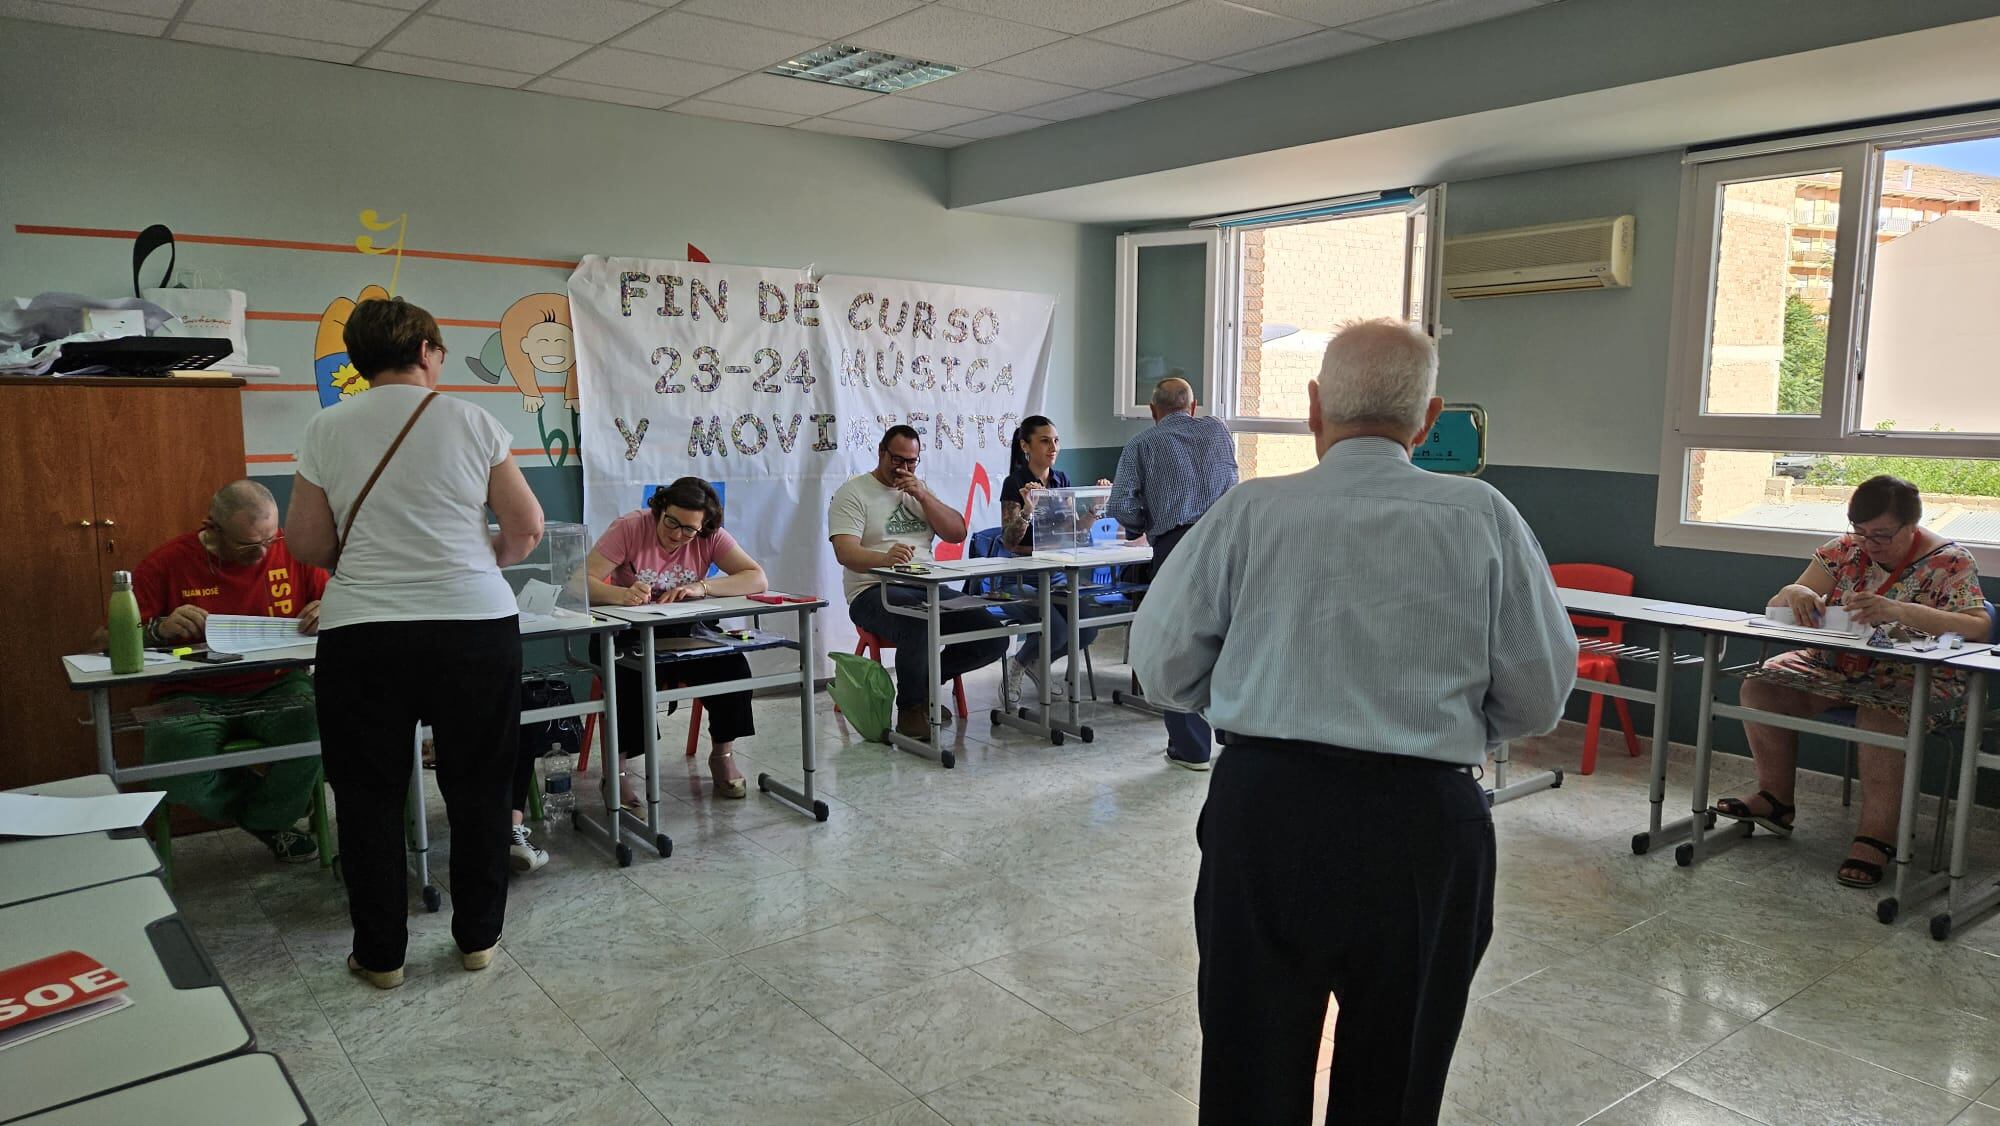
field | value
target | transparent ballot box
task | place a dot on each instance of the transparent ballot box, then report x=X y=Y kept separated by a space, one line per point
x=552 y=579
x=1073 y=523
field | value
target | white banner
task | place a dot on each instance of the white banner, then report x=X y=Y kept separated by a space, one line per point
x=777 y=386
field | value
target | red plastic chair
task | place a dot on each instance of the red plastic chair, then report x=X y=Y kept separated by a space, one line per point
x=871 y=646
x=590 y=725
x=1601 y=667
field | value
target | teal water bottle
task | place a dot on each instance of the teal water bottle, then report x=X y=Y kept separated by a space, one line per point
x=128 y=642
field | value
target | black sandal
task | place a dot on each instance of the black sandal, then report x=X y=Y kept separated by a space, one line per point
x=1778 y=821
x=1871 y=873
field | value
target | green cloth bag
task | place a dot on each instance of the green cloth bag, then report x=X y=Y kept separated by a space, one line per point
x=864 y=693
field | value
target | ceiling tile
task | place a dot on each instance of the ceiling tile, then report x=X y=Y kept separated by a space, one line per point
x=267 y=44
x=828 y=19
x=1080 y=105
x=636 y=70
x=81 y=17
x=1062 y=15
x=1086 y=63
x=569 y=88
x=1439 y=15
x=1298 y=52
x=852 y=129
x=592 y=21
x=793 y=95
x=1332 y=13
x=948 y=35
x=938 y=140
x=443 y=68
x=686 y=36
x=1204 y=29
x=330 y=21
x=997 y=125
x=703 y=108
x=1193 y=76
x=899 y=112
x=479 y=45
x=994 y=93
x=158 y=9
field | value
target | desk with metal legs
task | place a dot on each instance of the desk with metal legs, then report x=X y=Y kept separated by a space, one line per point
x=933 y=581
x=1073 y=566
x=1962 y=903
x=1715 y=634
x=1641 y=611
x=648 y=620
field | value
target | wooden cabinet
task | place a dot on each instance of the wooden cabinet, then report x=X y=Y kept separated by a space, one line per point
x=96 y=473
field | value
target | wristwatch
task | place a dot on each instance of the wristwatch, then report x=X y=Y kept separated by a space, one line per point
x=152 y=632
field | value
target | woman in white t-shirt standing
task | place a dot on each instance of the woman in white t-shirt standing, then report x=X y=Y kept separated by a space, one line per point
x=418 y=625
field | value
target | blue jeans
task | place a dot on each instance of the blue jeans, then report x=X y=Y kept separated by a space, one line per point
x=1188 y=734
x=908 y=635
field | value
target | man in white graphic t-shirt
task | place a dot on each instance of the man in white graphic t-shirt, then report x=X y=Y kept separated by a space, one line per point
x=883 y=518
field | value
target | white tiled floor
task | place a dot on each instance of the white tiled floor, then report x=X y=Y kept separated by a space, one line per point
x=1011 y=942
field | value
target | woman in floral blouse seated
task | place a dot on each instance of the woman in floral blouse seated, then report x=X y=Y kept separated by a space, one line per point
x=1888 y=572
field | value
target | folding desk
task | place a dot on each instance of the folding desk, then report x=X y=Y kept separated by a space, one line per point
x=181 y=1015
x=648 y=620
x=1074 y=565
x=33 y=867
x=247 y=1090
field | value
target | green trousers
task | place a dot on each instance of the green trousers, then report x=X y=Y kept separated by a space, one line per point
x=271 y=797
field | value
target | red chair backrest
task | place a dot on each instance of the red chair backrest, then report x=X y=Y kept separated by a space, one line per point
x=1601 y=579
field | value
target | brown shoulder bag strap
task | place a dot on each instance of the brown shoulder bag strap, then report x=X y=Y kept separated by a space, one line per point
x=347 y=525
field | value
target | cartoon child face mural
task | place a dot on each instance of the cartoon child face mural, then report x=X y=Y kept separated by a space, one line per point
x=536 y=341
x=332 y=372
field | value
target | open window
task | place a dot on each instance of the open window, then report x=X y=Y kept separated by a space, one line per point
x=1279 y=284
x=1833 y=321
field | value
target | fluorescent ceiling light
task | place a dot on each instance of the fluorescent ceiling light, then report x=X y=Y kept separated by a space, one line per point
x=862 y=69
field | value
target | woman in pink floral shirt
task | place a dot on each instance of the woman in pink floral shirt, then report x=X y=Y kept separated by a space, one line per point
x=1889 y=572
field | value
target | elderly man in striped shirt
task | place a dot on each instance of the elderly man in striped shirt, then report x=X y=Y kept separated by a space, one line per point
x=1360 y=634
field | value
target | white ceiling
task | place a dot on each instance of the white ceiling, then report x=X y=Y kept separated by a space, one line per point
x=1896 y=76
x=1030 y=61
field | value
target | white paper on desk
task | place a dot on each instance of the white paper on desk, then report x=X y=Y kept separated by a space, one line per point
x=37 y=815
x=98 y=662
x=1808 y=631
x=537 y=599
x=250 y=633
x=1712 y=613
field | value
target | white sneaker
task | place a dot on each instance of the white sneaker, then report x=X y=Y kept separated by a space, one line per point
x=522 y=855
x=1011 y=679
x=1034 y=675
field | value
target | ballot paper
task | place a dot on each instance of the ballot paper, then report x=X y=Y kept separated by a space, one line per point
x=537 y=599
x=251 y=633
x=39 y=815
x=98 y=662
x=1712 y=613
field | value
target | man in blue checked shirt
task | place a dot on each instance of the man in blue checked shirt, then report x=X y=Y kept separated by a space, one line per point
x=1167 y=477
x=1360 y=634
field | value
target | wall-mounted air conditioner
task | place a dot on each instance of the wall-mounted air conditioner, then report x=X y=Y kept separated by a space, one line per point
x=1586 y=254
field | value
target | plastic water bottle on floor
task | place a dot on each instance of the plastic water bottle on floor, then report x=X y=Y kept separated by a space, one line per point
x=558 y=791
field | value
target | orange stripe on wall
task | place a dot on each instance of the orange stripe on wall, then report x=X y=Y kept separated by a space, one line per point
x=508 y=389
x=292 y=244
x=274 y=315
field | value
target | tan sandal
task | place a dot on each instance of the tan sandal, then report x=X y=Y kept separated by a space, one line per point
x=727 y=788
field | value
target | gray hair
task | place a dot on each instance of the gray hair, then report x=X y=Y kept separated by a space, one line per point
x=1381 y=371
x=240 y=496
x=1173 y=394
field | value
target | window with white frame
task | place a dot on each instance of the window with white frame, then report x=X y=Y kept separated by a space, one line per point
x=1277 y=285
x=1835 y=318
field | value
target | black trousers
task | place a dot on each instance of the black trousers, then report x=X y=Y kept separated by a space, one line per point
x=1366 y=877
x=374 y=684
x=729 y=713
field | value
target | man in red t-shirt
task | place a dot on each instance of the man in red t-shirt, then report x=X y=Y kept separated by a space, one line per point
x=236 y=563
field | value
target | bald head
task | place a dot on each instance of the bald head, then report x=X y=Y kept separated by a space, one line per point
x=1172 y=395
x=239 y=497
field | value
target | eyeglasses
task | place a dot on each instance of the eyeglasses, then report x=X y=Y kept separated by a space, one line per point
x=230 y=543
x=1880 y=539
x=674 y=527
x=904 y=462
